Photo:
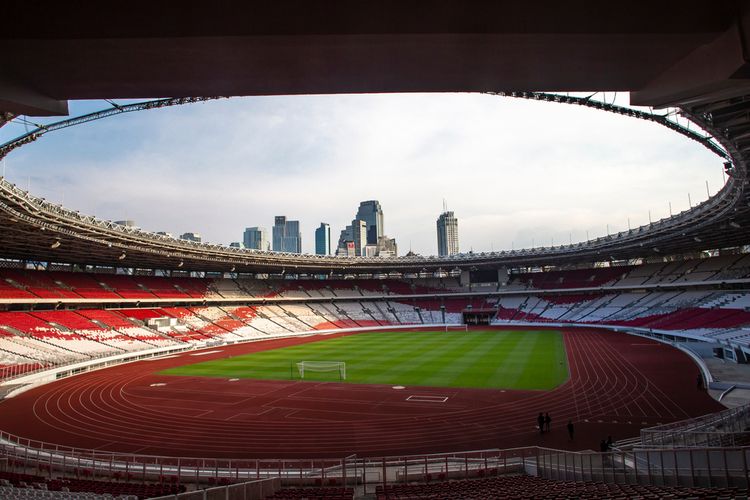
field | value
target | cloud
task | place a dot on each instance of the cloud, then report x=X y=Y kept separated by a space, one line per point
x=513 y=171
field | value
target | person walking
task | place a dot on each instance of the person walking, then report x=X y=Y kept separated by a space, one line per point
x=571 y=429
x=540 y=423
x=547 y=421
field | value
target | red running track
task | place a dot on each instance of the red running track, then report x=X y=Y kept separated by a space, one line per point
x=618 y=384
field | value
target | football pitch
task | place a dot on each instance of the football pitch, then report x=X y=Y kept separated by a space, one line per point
x=503 y=359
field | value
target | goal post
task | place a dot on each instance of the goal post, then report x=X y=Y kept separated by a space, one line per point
x=456 y=328
x=307 y=367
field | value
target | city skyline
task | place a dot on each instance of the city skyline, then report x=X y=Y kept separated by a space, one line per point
x=549 y=172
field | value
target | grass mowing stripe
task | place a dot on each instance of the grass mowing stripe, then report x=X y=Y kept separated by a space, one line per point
x=463 y=370
x=424 y=357
x=486 y=359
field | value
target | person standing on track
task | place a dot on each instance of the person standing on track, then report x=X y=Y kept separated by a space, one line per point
x=571 y=429
x=547 y=422
x=540 y=423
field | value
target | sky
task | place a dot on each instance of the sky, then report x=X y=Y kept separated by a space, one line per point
x=517 y=173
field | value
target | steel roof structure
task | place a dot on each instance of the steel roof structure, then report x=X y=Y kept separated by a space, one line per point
x=686 y=54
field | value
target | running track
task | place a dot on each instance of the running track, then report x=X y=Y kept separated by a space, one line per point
x=618 y=384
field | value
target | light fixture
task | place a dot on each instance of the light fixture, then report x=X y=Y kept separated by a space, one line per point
x=55 y=244
x=122 y=257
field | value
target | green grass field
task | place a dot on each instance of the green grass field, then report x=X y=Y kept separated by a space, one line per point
x=484 y=359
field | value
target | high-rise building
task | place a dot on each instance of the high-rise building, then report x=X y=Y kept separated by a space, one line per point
x=447 y=234
x=359 y=230
x=371 y=212
x=195 y=237
x=255 y=238
x=286 y=235
x=323 y=239
x=387 y=247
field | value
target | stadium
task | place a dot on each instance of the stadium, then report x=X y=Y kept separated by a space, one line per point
x=137 y=365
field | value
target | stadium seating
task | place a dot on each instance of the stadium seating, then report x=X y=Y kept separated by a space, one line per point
x=522 y=487
x=39 y=338
x=330 y=493
x=19 y=485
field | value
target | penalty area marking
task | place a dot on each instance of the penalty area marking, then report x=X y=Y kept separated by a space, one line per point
x=421 y=398
x=207 y=352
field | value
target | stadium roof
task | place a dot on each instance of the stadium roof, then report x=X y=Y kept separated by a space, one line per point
x=684 y=53
x=670 y=51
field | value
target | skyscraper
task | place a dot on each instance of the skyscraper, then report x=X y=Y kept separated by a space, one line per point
x=255 y=238
x=370 y=240
x=371 y=212
x=447 y=234
x=359 y=228
x=194 y=237
x=323 y=239
x=286 y=235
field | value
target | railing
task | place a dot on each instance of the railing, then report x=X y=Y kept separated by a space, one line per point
x=726 y=428
x=697 y=467
x=252 y=490
x=94 y=362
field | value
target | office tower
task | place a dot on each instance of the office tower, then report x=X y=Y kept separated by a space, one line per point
x=371 y=212
x=195 y=237
x=286 y=235
x=255 y=238
x=323 y=239
x=447 y=234
x=359 y=230
x=387 y=247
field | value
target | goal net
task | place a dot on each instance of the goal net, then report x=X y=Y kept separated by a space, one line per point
x=307 y=367
x=456 y=328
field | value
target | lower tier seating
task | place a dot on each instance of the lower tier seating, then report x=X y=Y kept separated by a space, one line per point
x=38 y=339
x=524 y=487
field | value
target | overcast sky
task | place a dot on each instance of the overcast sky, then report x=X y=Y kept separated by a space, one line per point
x=515 y=172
